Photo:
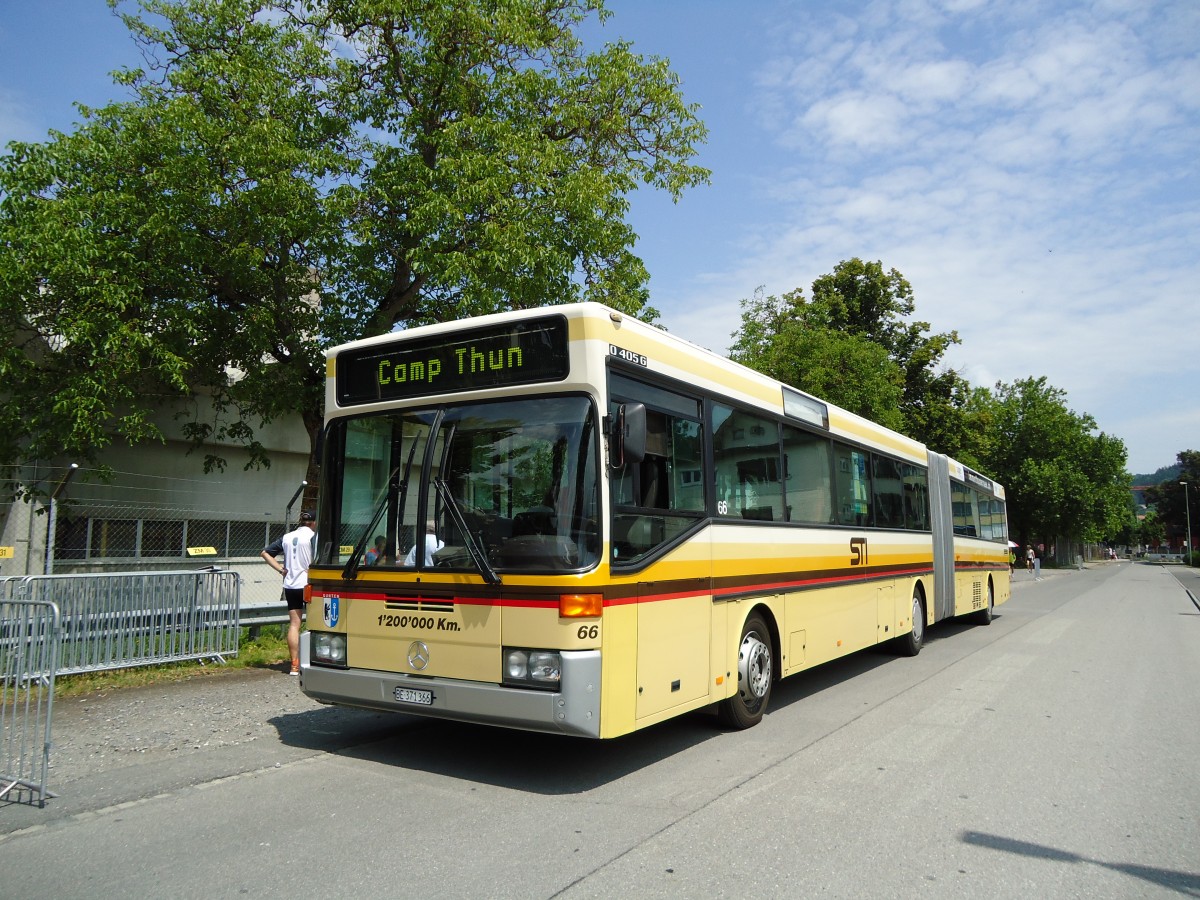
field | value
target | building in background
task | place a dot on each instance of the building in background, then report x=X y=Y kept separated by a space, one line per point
x=160 y=511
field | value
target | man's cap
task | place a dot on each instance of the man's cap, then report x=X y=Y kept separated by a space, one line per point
x=307 y=516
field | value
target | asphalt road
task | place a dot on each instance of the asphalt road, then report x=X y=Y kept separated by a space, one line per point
x=1055 y=753
x=1190 y=579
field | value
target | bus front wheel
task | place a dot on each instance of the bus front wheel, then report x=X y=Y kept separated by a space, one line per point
x=756 y=673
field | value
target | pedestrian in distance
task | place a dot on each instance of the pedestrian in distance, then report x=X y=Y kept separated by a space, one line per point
x=296 y=548
x=1029 y=558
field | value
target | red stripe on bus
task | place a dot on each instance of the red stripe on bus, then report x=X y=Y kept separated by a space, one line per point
x=748 y=587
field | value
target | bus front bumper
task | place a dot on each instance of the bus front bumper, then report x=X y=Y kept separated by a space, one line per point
x=575 y=710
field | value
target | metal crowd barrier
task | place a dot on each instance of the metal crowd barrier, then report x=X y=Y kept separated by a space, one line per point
x=118 y=620
x=30 y=632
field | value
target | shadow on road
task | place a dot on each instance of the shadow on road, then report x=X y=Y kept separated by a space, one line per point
x=560 y=765
x=1187 y=883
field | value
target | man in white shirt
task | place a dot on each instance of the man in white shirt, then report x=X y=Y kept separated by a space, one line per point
x=432 y=546
x=296 y=548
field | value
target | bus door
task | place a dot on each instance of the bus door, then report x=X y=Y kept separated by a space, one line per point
x=658 y=505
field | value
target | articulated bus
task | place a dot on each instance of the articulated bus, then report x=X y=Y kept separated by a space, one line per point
x=566 y=520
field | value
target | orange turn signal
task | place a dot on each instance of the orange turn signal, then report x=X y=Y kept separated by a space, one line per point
x=580 y=606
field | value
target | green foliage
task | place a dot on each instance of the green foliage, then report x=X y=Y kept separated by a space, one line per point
x=1171 y=500
x=853 y=344
x=1062 y=479
x=1150 y=531
x=847 y=369
x=402 y=162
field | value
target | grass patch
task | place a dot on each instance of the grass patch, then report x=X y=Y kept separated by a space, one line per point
x=268 y=649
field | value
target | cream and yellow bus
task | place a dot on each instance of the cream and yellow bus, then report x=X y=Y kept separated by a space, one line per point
x=569 y=521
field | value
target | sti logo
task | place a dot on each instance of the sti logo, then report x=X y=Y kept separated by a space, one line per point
x=331 y=610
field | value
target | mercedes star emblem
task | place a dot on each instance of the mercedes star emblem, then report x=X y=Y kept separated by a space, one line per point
x=418 y=655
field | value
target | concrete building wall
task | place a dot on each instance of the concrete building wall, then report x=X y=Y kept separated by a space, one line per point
x=158 y=492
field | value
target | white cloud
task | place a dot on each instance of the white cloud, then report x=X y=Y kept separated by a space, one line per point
x=1030 y=169
x=854 y=117
x=932 y=82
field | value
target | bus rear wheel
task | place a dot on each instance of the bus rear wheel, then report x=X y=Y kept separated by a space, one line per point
x=756 y=673
x=984 y=616
x=910 y=644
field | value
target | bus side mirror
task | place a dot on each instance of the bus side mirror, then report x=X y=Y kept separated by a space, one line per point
x=629 y=434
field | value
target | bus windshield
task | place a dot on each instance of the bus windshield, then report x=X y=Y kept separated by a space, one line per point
x=486 y=487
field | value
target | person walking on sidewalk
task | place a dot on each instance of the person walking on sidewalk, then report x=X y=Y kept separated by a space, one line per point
x=296 y=548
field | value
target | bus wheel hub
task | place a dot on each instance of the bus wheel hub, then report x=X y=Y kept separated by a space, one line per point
x=754 y=668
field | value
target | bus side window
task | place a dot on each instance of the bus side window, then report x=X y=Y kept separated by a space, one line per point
x=807 y=468
x=654 y=480
x=622 y=486
x=966 y=514
x=659 y=498
x=888 y=496
x=916 y=498
x=853 y=486
x=746 y=454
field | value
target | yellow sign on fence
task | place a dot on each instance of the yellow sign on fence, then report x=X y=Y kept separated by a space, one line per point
x=6 y=553
x=201 y=551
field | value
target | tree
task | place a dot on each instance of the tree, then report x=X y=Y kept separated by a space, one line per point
x=171 y=242
x=293 y=174
x=853 y=344
x=1170 y=499
x=1150 y=531
x=846 y=369
x=1062 y=480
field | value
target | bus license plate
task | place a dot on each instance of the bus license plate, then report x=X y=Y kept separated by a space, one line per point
x=408 y=695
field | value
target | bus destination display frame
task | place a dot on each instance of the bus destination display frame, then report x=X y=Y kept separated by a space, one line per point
x=493 y=356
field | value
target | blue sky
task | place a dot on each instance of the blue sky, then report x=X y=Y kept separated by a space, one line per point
x=1030 y=167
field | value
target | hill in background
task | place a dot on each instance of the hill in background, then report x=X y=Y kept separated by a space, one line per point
x=1166 y=473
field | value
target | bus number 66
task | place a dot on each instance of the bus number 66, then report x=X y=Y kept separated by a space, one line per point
x=589 y=632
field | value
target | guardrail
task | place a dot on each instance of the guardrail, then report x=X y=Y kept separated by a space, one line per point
x=1162 y=557
x=257 y=616
x=30 y=632
x=119 y=620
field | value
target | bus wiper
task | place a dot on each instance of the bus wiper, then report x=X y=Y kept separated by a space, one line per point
x=477 y=554
x=350 y=572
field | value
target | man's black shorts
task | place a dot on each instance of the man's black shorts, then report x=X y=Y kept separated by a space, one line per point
x=294 y=597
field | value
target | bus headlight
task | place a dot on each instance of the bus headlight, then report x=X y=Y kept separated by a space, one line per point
x=329 y=649
x=516 y=665
x=545 y=667
x=532 y=668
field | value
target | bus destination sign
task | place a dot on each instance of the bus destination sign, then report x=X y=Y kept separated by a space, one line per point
x=496 y=356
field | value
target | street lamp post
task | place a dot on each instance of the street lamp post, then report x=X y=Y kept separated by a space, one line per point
x=1188 y=510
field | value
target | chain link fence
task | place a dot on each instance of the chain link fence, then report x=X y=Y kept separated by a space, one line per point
x=141 y=523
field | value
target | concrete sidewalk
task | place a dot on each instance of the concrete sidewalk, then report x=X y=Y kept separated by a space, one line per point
x=127 y=745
